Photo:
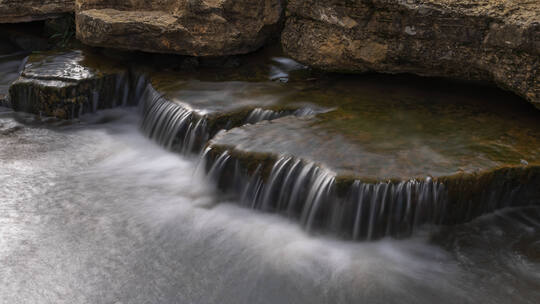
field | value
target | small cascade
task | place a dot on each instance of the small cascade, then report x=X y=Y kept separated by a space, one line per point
x=311 y=194
x=259 y=114
x=179 y=128
x=172 y=125
x=390 y=208
x=110 y=92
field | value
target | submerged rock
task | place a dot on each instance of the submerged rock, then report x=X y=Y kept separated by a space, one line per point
x=196 y=28
x=68 y=84
x=488 y=40
x=14 y=11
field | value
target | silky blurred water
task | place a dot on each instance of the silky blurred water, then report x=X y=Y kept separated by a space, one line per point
x=93 y=212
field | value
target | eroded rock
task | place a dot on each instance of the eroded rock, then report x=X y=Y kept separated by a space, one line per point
x=489 y=40
x=14 y=11
x=196 y=28
x=68 y=84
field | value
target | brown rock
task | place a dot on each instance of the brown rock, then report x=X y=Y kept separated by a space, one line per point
x=67 y=84
x=196 y=28
x=14 y=11
x=488 y=40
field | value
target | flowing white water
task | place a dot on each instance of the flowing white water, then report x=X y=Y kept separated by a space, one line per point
x=97 y=213
x=306 y=191
x=178 y=127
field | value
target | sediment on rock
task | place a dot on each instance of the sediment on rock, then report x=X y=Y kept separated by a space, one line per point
x=489 y=40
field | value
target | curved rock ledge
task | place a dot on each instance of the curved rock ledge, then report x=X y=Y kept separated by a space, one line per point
x=196 y=28
x=184 y=109
x=488 y=40
x=186 y=123
x=14 y=11
x=382 y=164
x=360 y=208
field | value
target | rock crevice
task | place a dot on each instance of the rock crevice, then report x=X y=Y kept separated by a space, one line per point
x=494 y=41
x=14 y=11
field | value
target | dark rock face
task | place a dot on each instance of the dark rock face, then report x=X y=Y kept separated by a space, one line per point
x=66 y=85
x=489 y=40
x=11 y=60
x=14 y=11
x=196 y=28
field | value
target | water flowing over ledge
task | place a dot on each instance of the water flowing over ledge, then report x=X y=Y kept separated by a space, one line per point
x=178 y=127
x=319 y=199
x=365 y=210
x=265 y=164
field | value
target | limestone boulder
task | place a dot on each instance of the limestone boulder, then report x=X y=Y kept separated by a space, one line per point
x=196 y=28
x=488 y=40
x=14 y=11
x=68 y=84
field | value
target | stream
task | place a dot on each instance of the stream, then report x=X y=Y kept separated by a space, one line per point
x=95 y=212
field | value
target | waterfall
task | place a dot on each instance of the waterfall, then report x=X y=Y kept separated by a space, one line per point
x=365 y=210
x=177 y=127
x=174 y=126
x=309 y=193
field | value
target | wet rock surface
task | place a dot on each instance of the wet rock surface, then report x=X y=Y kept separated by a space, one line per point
x=386 y=159
x=391 y=130
x=14 y=11
x=68 y=84
x=183 y=110
x=489 y=40
x=197 y=28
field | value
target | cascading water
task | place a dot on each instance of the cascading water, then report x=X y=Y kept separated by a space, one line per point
x=309 y=193
x=176 y=126
x=306 y=191
x=95 y=213
x=259 y=114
